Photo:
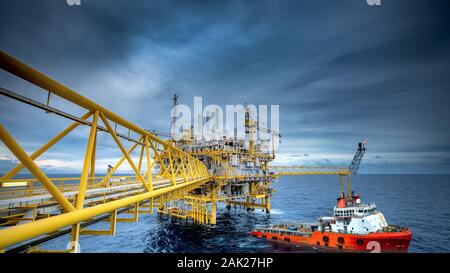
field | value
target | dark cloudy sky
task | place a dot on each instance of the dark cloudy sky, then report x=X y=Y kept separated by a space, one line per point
x=340 y=71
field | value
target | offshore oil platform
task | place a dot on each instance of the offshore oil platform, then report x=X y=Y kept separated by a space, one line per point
x=183 y=178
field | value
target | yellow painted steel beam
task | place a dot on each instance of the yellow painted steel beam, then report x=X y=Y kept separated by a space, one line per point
x=17 y=234
x=180 y=167
x=141 y=157
x=158 y=157
x=190 y=167
x=149 y=166
x=22 y=156
x=119 y=163
x=127 y=156
x=87 y=162
x=44 y=148
x=174 y=181
x=197 y=169
x=93 y=157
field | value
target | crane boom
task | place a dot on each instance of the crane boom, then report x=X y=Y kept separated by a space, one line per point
x=354 y=166
x=266 y=130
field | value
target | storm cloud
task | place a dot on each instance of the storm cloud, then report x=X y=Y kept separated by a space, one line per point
x=340 y=71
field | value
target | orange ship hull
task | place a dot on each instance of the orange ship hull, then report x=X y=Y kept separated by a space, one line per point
x=374 y=242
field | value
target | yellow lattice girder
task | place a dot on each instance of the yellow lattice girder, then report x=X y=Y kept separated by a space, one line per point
x=178 y=163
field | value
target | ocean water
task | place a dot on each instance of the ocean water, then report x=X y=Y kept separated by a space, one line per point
x=420 y=202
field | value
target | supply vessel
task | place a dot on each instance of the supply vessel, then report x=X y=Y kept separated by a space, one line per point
x=354 y=227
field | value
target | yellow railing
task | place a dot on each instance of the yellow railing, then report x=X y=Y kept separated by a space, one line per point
x=31 y=186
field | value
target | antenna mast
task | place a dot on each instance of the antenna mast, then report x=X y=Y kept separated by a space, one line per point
x=173 y=119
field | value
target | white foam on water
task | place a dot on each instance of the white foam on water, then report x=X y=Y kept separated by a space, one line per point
x=272 y=211
x=276 y=211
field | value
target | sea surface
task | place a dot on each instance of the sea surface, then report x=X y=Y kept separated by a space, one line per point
x=421 y=202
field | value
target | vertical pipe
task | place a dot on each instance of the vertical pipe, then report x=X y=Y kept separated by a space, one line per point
x=149 y=168
x=140 y=158
x=93 y=157
x=151 y=205
x=84 y=176
x=172 y=178
x=75 y=234
x=112 y=223
x=213 y=213
x=87 y=162
x=136 y=212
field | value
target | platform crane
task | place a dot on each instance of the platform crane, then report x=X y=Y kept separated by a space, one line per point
x=273 y=135
x=354 y=166
x=252 y=126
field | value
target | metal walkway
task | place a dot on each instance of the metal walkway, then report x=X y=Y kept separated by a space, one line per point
x=33 y=208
